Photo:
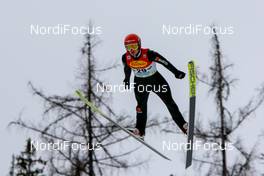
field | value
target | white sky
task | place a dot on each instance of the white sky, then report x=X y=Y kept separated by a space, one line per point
x=51 y=62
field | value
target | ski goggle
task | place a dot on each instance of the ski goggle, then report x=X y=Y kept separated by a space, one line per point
x=133 y=46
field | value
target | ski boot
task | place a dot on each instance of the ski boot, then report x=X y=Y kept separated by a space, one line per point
x=136 y=132
x=185 y=128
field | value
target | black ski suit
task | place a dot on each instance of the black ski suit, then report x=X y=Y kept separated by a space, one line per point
x=147 y=79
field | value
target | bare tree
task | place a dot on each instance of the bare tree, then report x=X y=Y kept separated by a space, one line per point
x=221 y=130
x=27 y=163
x=74 y=122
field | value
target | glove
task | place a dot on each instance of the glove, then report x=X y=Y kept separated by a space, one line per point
x=179 y=74
x=127 y=83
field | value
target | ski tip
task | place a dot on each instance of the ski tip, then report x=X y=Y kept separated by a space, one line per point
x=78 y=93
x=191 y=62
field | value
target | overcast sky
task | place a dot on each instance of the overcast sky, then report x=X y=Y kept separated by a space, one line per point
x=51 y=61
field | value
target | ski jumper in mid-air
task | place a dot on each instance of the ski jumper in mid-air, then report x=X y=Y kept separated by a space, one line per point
x=143 y=63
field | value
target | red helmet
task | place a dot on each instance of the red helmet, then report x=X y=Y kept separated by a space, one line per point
x=132 y=38
x=133 y=44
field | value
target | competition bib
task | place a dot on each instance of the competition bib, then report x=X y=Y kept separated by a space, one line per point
x=145 y=72
x=141 y=67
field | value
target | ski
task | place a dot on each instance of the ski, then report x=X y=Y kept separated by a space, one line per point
x=192 y=89
x=97 y=110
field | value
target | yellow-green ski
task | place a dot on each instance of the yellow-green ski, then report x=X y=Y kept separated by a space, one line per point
x=192 y=89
